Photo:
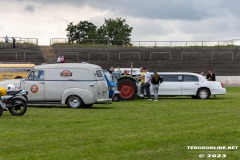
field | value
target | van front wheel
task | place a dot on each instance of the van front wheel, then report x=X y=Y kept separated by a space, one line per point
x=74 y=101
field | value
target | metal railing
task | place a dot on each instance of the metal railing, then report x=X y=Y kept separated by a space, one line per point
x=19 y=40
x=152 y=56
x=233 y=42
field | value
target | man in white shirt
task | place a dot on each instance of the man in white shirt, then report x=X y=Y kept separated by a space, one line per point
x=146 y=85
x=6 y=39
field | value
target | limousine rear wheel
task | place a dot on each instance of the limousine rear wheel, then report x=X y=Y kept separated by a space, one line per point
x=74 y=101
x=203 y=93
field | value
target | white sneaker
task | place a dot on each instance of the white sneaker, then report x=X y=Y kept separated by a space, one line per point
x=149 y=99
x=155 y=100
x=141 y=95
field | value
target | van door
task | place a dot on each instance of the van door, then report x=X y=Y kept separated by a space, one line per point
x=35 y=86
x=102 y=85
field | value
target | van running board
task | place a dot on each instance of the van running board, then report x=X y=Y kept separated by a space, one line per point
x=43 y=103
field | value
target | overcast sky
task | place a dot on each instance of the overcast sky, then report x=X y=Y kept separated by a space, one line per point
x=155 y=20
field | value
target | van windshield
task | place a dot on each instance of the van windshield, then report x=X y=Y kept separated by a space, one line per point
x=99 y=73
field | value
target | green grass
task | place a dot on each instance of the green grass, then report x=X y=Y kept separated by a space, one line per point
x=126 y=130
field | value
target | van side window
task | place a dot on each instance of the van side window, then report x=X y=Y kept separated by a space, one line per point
x=36 y=75
x=99 y=73
x=39 y=75
x=171 y=78
x=190 y=78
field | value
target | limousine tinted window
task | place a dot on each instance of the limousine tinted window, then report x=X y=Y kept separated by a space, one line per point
x=190 y=78
x=171 y=78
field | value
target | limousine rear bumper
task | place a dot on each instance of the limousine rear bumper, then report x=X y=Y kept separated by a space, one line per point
x=218 y=91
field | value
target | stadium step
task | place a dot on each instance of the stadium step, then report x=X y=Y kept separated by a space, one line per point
x=48 y=54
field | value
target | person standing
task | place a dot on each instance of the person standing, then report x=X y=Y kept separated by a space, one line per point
x=211 y=76
x=141 y=79
x=146 y=85
x=111 y=70
x=156 y=81
x=14 y=42
x=6 y=39
x=62 y=59
x=59 y=59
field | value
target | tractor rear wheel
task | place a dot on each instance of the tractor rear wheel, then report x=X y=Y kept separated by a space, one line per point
x=128 y=89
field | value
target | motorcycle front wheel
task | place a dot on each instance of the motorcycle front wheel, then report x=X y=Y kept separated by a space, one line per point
x=1 y=111
x=18 y=107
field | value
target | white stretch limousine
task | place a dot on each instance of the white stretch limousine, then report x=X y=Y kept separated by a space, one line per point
x=187 y=84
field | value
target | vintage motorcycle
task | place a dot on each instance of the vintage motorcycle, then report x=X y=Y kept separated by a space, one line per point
x=14 y=101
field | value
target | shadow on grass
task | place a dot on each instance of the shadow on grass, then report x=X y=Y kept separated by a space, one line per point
x=182 y=98
x=65 y=107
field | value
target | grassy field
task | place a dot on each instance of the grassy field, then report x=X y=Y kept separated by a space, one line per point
x=126 y=130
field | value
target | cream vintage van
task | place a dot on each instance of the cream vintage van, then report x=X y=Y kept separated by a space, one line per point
x=74 y=84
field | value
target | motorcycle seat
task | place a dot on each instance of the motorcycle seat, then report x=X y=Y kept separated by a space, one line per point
x=13 y=92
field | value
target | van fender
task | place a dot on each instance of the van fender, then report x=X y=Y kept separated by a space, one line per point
x=86 y=95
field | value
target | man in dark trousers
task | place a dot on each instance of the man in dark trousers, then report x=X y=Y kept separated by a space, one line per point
x=14 y=41
x=211 y=76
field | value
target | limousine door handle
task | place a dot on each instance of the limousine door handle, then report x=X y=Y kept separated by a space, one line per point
x=91 y=85
x=41 y=82
x=197 y=84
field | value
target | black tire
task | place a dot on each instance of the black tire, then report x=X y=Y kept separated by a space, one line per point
x=19 y=107
x=1 y=111
x=74 y=101
x=87 y=105
x=128 y=89
x=203 y=93
x=194 y=97
x=115 y=98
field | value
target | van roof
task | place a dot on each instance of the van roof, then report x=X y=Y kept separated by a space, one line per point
x=67 y=65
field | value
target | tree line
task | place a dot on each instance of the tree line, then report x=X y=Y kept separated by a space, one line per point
x=112 y=32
